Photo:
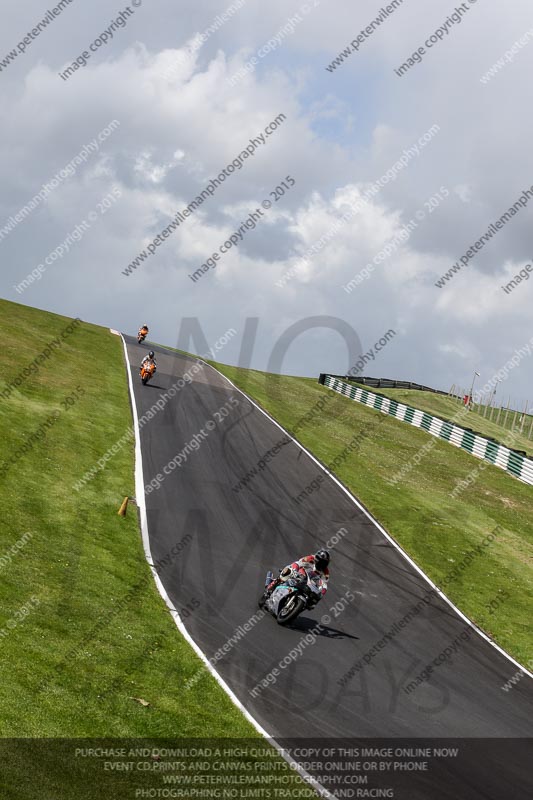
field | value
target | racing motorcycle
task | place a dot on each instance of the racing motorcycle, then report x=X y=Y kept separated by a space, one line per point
x=147 y=372
x=290 y=597
x=141 y=336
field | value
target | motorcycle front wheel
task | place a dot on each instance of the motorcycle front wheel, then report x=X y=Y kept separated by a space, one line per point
x=290 y=610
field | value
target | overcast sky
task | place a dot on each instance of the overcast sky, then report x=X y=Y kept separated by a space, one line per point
x=181 y=119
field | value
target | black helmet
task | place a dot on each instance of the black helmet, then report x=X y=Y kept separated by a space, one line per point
x=321 y=559
x=145 y=326
x=151 y=354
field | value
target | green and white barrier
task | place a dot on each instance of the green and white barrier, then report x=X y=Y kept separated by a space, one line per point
x=510 y=460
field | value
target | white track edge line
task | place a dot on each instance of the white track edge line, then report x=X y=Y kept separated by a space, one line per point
x=379 y=527
x=141 y=503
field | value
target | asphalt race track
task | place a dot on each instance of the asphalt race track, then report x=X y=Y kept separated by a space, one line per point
x=234 y=537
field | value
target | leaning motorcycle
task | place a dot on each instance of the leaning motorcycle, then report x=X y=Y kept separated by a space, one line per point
x=292 y=596
x=147 y=371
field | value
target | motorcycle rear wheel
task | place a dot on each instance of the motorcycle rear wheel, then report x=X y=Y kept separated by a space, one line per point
x=290 y=610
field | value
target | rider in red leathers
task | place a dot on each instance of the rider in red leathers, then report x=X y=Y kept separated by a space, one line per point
x=317 y=563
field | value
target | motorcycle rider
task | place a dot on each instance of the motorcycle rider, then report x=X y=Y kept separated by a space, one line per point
x=307 y=565
x=148 y=361
x=143 y=333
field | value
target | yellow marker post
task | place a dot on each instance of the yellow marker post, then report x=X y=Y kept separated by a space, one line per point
x=123 y=508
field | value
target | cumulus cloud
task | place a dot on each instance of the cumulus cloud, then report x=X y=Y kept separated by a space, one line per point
x=181 y=123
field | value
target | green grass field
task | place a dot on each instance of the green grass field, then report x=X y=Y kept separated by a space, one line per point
x=419 y=510
x=82 y=558
x=449 y=407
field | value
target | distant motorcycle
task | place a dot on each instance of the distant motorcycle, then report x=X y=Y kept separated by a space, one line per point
x=143 y=333
x=147 y=372
x=292 y=596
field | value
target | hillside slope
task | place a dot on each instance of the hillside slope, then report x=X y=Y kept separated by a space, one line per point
x=84 y=630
